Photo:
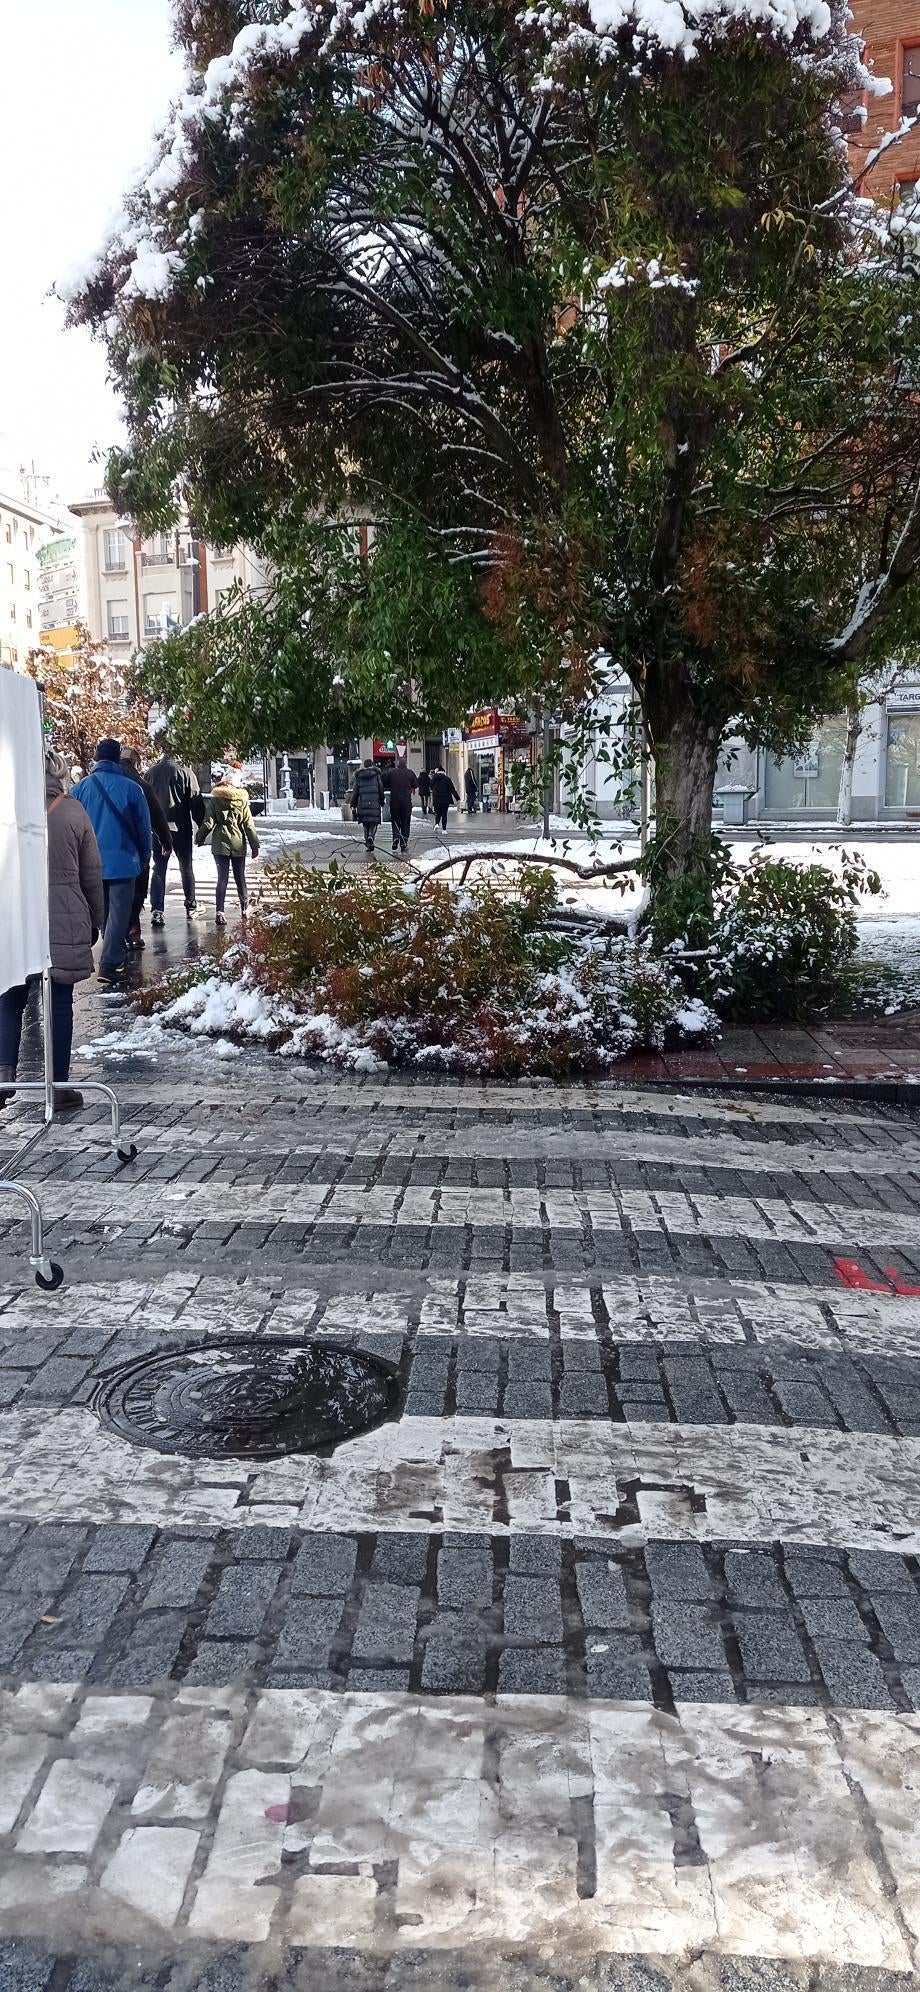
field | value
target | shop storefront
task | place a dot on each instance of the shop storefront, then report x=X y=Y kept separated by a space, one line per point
x=483 y=753
x=807 y=783
x=902 y=754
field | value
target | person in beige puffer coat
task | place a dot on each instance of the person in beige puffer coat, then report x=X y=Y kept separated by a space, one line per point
x=228 y=826
x=75 y=917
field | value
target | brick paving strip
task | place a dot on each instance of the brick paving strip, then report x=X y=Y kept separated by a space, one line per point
x=130 y=1606
x=596 y=1666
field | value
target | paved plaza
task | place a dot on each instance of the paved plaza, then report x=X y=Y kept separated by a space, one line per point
x=597 y=1665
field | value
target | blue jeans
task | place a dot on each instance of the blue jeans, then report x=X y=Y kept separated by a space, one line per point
x=119 y=902
x=12 y=1009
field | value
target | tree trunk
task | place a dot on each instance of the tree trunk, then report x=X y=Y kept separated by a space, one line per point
x=854 y=729
x=685 y=774
x=685 y=744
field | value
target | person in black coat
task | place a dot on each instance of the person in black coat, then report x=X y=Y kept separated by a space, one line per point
x=424 y=790
x=472 y=792
x=443 y=794
x=367 y=801
x=403 y=785
x=162 y=839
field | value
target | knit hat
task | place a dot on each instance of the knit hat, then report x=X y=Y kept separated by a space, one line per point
x=56 y=768
x=108 y=750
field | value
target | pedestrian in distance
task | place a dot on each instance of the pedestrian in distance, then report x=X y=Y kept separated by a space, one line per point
x=424 y=791
x=443 y=794
x=181 y=801
x=403 y=784
x=367 y=801
x=131 y=765
x=76 y=909
x=472 y=792
x=227 y=823
x=117 y=809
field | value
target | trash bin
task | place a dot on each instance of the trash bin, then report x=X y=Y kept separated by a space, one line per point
x=735 y=803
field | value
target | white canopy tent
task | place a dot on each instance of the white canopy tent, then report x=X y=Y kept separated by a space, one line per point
x=25 y=952
x=24 y=949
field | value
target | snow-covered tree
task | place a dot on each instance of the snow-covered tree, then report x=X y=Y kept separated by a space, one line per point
x=87 y=699
x=578 y=303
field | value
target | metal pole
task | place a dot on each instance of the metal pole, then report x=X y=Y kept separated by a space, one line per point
x=47 y=1046
x=546 y=771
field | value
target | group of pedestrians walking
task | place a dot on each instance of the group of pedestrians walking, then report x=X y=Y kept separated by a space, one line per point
x=103 y=836
x=368 y=794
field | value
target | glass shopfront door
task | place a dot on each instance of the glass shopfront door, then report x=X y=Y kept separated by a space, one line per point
x=902 y=761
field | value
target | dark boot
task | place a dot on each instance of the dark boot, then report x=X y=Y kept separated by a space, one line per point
x=7 y=1088
x=67 y=1099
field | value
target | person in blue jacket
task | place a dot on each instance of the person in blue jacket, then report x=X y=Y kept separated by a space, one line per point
x=117 y=809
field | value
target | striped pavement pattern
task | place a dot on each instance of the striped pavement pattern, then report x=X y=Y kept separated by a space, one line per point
x=477 y=1699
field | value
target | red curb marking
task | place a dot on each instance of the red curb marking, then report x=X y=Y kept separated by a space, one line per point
x=850 y=1274
x=900 y=1285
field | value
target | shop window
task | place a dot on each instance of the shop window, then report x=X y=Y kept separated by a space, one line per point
x=902 y=761
x=810 y=780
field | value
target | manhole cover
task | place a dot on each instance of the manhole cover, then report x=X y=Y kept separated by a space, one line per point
x=246 y=1398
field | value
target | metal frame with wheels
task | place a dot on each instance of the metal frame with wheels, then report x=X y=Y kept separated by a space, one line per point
x=48 y=1274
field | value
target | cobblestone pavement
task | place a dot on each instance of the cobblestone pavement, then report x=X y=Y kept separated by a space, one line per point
x=596 y=1666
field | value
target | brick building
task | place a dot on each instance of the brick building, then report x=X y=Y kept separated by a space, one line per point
x=891 y=30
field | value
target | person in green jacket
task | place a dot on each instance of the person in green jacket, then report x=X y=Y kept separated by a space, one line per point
x=228 y=824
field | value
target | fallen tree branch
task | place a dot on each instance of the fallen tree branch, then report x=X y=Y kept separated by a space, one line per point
x=583 y=872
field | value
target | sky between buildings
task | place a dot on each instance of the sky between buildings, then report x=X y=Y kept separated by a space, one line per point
x=83 y=84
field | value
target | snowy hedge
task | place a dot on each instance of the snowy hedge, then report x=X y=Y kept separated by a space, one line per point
x=361 y=971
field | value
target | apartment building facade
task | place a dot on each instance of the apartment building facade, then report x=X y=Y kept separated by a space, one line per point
x=24 y=530
x=891 y=31
x=138 y=588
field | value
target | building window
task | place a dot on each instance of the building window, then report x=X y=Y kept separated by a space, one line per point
x=8 y=533
x=12 y=614
x=910 y=80
x=114 y=549
x=159 y=551
x=14 y=656
x=160 y=614
x=27 y=582
x=28 y=619
x=11 y=574
x=119 y=629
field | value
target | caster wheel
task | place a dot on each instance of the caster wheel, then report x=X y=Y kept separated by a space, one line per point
x=128 y=1154
x=54 y=1280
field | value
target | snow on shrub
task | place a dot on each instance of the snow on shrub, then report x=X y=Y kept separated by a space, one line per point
x=361 y=971
x=785 y=940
